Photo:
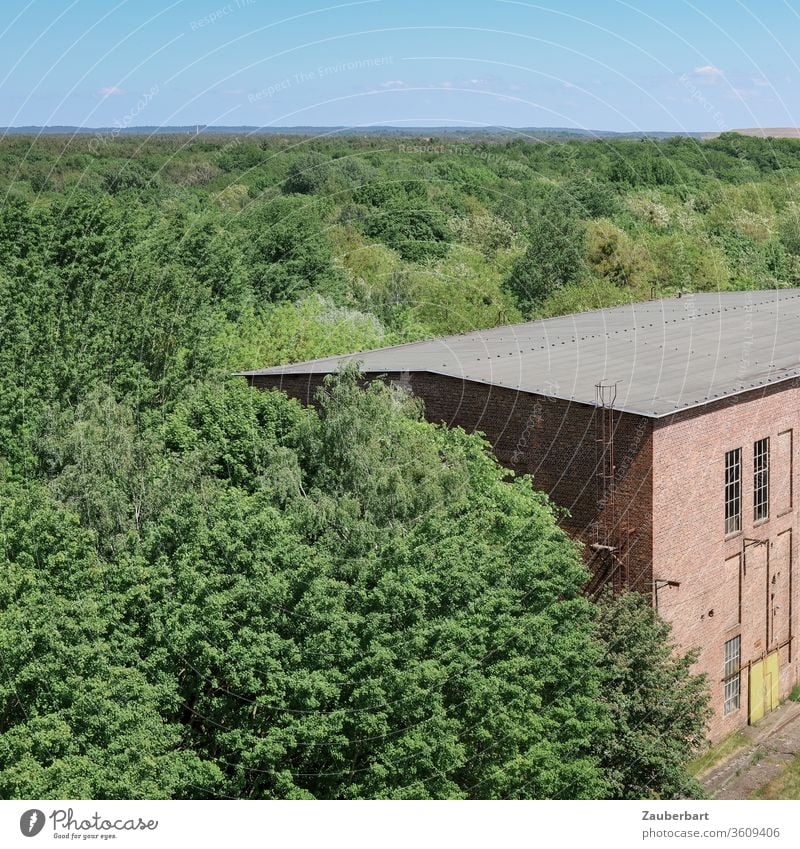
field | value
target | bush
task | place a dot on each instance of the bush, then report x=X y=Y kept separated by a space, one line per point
x=588 y=197
x=307 y=175
x=611 y=253
x=554 y=257
x=417 y=234
x=288 y=251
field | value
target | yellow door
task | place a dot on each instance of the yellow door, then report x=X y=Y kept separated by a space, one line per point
x=756 y=690
x=765 y=686
x=772 y=694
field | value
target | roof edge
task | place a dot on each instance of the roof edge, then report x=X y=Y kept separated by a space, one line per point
x=647 y=414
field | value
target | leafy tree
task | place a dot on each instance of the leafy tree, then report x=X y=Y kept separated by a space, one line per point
x=612 y=254
x=130 y=175
x=82 y=715
x=416 y=233
x=288 y=251
x=589 y=197
x=405 y=624
x=645 y=163
x=240 y=156
x=659 y=708
x=401 y=215
x=554 y=257
x=305 y=329
x=105 y=468
x=348 y=173
x=307 y=175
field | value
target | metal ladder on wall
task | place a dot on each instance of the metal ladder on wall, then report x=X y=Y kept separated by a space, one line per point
x=609 y=563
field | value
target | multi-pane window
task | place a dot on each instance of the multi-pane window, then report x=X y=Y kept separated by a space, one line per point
x=733 y=490
x=761 y=479
x=732 y=675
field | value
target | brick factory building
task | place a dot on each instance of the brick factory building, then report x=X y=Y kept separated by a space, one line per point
x=666 y=429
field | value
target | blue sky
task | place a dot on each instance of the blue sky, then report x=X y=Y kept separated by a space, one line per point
x=610 y=64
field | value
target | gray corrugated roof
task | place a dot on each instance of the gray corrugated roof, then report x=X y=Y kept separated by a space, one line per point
x=665 y=355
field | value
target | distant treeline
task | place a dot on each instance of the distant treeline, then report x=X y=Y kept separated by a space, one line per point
x=481 y=133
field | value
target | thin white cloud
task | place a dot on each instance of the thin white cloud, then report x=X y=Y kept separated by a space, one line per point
x=393 y=84
x=746 y=93
x=110 y=91
x=708 y=72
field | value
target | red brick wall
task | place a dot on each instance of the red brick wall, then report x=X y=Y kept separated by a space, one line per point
x=551 y=439
x=726 y=590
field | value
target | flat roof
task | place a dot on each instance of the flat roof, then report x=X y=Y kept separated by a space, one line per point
x=664 y=355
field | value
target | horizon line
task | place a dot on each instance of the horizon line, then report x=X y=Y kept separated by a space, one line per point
x=356 y=127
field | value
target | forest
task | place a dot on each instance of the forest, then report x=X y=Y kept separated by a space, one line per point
x=213 y=592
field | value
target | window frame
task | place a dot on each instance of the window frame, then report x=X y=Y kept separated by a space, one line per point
x=761 y=450
x=732 y=676
x=733 y=491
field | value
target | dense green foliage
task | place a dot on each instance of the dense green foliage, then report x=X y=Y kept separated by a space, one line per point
x=214 y=592
x=659 y=708
x=344 y=605
x=554 y=257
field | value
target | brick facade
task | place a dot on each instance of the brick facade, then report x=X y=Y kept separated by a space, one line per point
x=667 y=520
x=744 y=583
